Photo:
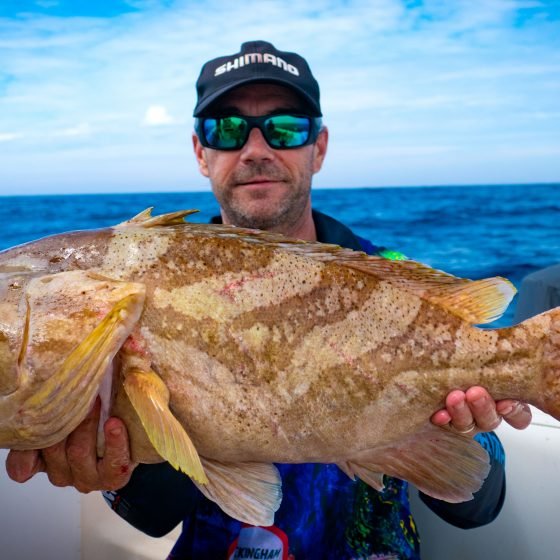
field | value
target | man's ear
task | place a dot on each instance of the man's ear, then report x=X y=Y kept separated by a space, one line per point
x=320 y=149
x=200 y=154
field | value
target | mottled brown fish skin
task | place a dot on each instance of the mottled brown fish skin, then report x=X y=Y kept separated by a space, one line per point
x=272 y=355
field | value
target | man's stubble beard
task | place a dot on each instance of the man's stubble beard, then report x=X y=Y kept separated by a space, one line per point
x=287 y=211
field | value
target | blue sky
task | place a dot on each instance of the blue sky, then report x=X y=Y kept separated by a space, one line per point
x=97 y=95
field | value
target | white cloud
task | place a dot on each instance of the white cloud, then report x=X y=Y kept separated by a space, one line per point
x=157 y=115
x=82 y=129
x=8 y=136
x=389 y=75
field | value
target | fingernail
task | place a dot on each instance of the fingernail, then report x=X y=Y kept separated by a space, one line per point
x=116 y=431
x=28 y=470
x=34 y=460
x=507 y=411
x=513 y=409
x=459 y=407
x=479 y=403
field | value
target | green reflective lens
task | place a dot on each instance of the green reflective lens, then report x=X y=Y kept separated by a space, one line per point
x=280 y=131
x=229 y=133
x=286 y=131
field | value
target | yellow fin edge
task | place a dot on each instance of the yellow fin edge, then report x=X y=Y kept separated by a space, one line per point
x=150 y=398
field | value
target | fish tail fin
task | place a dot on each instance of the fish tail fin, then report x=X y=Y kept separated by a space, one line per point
x=539 y=337
x=550 y=382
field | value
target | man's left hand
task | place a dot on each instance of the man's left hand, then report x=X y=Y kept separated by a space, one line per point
x=474 y=411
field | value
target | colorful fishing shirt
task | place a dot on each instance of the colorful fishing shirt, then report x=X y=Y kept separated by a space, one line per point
x=323 y=515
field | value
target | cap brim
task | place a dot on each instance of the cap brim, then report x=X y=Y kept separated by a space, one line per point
x=207 y=101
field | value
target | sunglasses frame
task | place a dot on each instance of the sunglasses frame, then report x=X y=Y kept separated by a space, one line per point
x=315 y=125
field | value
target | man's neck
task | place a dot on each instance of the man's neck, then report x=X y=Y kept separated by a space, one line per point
x=303 y=228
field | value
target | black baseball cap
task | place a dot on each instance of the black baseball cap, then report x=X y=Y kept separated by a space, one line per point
x=257 y=62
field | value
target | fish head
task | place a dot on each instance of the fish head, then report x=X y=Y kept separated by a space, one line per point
x=58 y=336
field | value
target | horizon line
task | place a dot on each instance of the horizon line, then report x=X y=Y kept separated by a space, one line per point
x=314 y=189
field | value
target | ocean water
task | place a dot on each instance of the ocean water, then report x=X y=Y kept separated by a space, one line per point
x=470 y=231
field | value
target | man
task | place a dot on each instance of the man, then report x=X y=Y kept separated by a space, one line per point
x=539 y=292
x=259 y=139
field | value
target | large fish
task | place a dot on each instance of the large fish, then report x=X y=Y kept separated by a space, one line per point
x=227 y=350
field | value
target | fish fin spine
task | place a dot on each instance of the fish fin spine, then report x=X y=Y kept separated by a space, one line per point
x=146 y=220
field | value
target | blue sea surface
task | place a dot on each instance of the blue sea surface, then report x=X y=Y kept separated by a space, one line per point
x=470 y=231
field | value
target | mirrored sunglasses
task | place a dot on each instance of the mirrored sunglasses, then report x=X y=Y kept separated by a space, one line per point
x=281 y=132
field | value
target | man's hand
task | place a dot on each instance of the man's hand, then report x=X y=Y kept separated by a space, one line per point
x=74 y=461
x=475 y=411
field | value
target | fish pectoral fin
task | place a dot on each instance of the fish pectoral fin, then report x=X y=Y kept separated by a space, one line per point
x=150 y=398
x=439 y=462
x=249 y=492
x=77 y=379
x=146 y=220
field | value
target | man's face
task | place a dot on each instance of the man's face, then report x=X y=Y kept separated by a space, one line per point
x=258 y=186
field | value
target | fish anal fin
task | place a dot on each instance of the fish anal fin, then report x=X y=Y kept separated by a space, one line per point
x=150 y=399
x=249 y=492
x=439 y=462
x=368 y=475
x=346 y=468
x=146 y=220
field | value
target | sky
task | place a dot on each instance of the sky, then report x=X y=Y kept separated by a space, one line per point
x=97 y=96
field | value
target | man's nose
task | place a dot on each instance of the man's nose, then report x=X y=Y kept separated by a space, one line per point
x=256 y=147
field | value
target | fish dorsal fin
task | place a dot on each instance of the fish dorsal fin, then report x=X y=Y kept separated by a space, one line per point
x=478 y=301
x=146 y=220
x=474 y=301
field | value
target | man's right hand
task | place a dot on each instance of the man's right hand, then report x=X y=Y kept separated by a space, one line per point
x=74 y=461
